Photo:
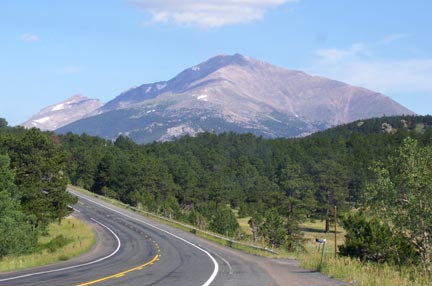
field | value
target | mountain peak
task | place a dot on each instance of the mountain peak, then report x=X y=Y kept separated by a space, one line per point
x=62 y=113
x=186 y=77
x=181 y=82
x=220 y=61
x=77 y=98
x=225 y=60
x=235 y=93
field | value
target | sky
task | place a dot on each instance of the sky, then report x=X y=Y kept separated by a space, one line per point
x=52 y=50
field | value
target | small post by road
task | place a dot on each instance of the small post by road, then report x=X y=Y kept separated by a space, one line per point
x=323 y=242
x=323 y=251
x=335 y=230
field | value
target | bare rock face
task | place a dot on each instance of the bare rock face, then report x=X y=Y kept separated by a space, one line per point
x=235 y=93
x=55 y=116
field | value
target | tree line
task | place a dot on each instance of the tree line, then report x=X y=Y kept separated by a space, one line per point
x=279 y=182
x=211 y=179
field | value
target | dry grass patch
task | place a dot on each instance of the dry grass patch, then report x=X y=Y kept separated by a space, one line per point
x=364 y=274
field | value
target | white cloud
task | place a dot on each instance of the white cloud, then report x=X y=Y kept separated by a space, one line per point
x=207 y=13
x=29 y=37
x=391 y=77
x=356 y=66
x=335 y=55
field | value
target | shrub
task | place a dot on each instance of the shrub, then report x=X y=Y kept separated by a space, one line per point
x=371 y=240
x=57 y=242
x=224 y=221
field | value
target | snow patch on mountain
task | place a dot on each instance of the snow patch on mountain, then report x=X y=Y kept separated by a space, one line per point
x=160 y=86
x=58 y=107
x=203 y=97
x=42 y=120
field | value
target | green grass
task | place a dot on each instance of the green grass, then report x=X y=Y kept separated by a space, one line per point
x=315 y=229
x=77 y=237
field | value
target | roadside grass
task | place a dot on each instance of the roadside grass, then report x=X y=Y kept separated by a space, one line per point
x=355 y=272
x=68 y=239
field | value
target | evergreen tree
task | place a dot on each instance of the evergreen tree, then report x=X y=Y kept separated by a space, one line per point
x=40 y=175
x=273 y=228
x=224 y=221
x=299 y=199
x=3 y=123
x=331 y=180
x=17 y=236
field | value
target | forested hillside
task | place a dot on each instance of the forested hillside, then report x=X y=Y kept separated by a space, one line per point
x=200 y=180
x=208 y=180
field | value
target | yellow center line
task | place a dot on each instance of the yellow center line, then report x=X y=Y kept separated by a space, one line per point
x=121 y=274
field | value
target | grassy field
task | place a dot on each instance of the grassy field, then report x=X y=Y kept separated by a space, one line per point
x=314 y=230
x=76 y=237
x=244 y=225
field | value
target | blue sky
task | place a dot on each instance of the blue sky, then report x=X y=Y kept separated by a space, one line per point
x=51 y=50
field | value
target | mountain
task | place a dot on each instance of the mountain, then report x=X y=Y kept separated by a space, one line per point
x=60 y=114
x=234 y=93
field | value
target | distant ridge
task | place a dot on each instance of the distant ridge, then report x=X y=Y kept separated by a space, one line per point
x=62 y=113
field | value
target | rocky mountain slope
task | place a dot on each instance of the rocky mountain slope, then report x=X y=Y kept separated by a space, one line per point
x=234 y=93
x=60 y=114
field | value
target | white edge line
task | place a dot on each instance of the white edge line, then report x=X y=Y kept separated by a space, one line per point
x=74 y=209
x=226 y=262
x=216 y=265
x=74 y=266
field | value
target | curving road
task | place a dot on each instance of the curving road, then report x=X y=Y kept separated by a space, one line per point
x=134 y=250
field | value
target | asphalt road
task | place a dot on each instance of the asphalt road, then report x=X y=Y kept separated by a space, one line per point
x=135 y=251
